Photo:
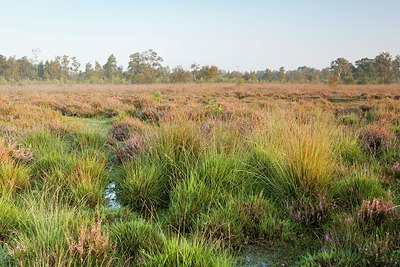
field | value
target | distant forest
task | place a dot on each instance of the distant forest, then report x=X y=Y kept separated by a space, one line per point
x=147 y=67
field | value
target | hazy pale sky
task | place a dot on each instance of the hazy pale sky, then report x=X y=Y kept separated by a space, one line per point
x=235 y=35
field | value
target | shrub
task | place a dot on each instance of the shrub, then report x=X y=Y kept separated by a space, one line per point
x=121 y=131
x=365 y=107
x=396 y=170
x=5 y=151
x=23 y=155
x=381 y=251
x=397 y=131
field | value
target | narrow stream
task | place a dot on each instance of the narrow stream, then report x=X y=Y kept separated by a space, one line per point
x=111 y=197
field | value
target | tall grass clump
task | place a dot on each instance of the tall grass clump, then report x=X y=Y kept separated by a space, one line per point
x=12 y=218
x=43 y=239
x=142 y=186
x=136 y=238
x=189 y=200
x=357 y=186
x=243 y=220
x=52 y=154
x=187 y=253
x=57 y=235
x=178 y=148
x=13 y=177
x=214 y=180
x=293 y=157
x=87 y=180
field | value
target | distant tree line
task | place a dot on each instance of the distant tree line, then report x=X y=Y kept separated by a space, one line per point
x=147 y=67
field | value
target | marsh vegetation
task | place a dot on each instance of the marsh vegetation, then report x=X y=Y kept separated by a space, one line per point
x=199 y=174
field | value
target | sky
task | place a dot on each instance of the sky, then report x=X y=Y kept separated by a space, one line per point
x=234 y=35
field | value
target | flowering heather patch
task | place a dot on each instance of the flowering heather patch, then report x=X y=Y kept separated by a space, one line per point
x=130 y=148
x=365 y=107
x=376 y=211
x=91 y=242
x=309 y=211
x=376 y=136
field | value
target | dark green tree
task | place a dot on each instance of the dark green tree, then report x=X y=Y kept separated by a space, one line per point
x=208 y=73
x=110 y=68
x=282 y=75
x=145 y=67
x=342 y=68
x=383 y=63
x=365 y=71
x=180 y=75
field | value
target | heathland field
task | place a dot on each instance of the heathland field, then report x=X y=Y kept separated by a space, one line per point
x=200 y=175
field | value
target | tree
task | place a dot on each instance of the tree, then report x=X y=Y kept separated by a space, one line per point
x=208 y=73
x=110 y=68
x=342 y=68
x=366 y=71
x=195 y=71
x=268 y=75
x=3 y=66
x=250 y=76
x=75 y=65
x=180 y=75
x=145 y=67
x=282 y=74
x=26 y=70
x=12 y=70
x=52 y=69
x=41 y=70
x=65 y=68
x=383 y=63
x=396 y=68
